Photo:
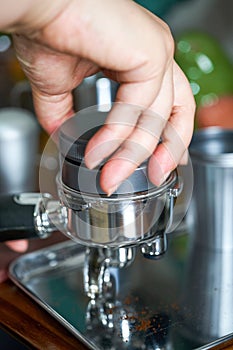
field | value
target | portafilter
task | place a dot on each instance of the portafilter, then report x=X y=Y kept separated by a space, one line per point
x=138 y=213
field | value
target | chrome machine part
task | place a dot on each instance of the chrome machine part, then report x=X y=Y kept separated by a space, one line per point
x=133 y=214
x=118 y=221
x=158 y=246
x=48 y=215
x=99 y=282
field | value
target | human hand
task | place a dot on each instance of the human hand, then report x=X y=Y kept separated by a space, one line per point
x=19 y=246
x=75 y=39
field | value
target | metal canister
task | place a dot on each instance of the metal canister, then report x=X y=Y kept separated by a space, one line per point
x=211 y=152
x=207 y=298
x=19 y=147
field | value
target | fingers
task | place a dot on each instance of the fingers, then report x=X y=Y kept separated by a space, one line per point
x=132 y=132
x=125 y=116
x=137 y=60
x=52 y=110
x=119 y=125
x=141 y=61
x=129 y=137
x=19 y=246
x=133 y=151
x=53 y=76
x=166 y=156
x=125 y=126
x=177 y=133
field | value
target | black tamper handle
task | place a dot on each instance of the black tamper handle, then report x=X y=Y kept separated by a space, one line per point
x=16 y=219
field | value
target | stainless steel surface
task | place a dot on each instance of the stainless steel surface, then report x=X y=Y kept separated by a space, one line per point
x=154 y=304
x=155 y=248
x=116 y=221
x=136 y=213
x=98 y=261
x=19 y=142
x=209 y=280
x=211 y=211
x=211 y=227
x=48 y=214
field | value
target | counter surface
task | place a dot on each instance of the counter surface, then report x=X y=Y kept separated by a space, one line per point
x=23 y=318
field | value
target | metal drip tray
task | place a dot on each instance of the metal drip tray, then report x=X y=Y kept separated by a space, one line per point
x=157 y=305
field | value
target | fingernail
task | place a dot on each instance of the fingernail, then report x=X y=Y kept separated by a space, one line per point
x=112 y=190
x=92 y=163
x=163 y=178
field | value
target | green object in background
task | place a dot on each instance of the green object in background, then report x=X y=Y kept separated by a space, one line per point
x=206 y=66
x=158 y=7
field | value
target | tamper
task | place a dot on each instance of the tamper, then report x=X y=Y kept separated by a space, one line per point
x=138 y=214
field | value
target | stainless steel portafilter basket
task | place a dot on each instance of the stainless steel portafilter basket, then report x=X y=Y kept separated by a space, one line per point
x=137 y=213
x=119 y=220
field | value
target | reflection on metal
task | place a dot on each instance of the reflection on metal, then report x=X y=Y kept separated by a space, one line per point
x=182 y=301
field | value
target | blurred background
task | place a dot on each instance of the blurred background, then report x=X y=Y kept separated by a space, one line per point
x=203 y=33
